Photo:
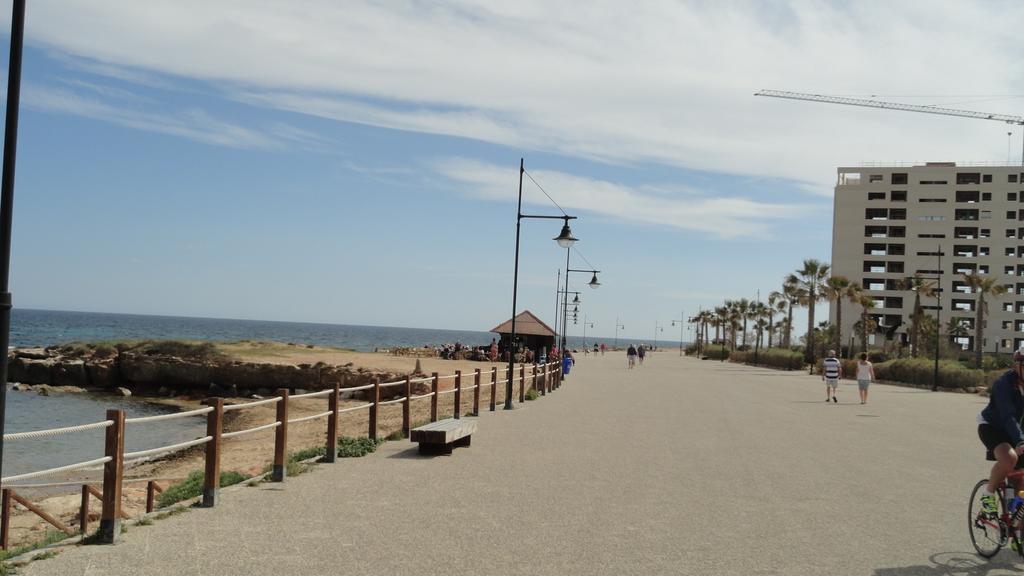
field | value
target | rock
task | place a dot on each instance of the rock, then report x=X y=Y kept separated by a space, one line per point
x=31 y=353
x=101 y=374
x=43 y=390
x=69 y=373
x=255 y=397
x=122 y=391
x=310 y=346
x=21 y=387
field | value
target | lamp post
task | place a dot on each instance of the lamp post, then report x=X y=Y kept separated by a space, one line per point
x=564 y=239
x=593 y=284
x=656 y=328
x=682 y=324
x=564 y=313
x=938 y=320
x=617 y=326
x=585 y=324
x=7 y=197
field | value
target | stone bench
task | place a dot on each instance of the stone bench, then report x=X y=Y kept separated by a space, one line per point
x=441 y=436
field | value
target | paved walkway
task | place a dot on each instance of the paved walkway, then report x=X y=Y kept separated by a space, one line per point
x=677 y=467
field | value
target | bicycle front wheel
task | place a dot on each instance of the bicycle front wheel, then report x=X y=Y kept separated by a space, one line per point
x=987 y=534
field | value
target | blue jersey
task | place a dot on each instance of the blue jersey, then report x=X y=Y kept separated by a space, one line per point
x=1005 y=406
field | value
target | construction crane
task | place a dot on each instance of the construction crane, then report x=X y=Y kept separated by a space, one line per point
x=1007 y=118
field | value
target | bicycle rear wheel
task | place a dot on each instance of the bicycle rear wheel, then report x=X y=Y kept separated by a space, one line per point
x=987 y=534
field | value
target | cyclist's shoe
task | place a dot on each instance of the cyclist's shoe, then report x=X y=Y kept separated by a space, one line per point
x=1015 y=544
x=989 y=505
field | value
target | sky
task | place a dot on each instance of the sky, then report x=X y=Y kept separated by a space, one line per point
x=358 y=162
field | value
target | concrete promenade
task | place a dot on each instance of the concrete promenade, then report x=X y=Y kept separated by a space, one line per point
x=680 y=466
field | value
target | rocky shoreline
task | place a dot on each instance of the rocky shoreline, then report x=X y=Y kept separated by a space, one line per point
x=130 y=371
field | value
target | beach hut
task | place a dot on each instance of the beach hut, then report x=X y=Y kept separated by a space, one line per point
x=531 y=333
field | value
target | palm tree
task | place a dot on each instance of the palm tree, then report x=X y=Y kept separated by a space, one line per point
x=794 y=295
x=744 y=307
x=811 y=278
x=957 y=328
x=867 y=323
x=721 y=313
x=981 y=285
x=839 y=288
x=920 y=287
x=776 y=303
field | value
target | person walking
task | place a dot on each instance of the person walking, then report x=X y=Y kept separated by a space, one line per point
x=631 y=356
x=640 y=352
x=832 y=371
x=865 y=376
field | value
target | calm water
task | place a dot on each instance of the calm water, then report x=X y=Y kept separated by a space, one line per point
x=29 y=411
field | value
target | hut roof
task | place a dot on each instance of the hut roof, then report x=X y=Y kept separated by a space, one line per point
x=527 y=324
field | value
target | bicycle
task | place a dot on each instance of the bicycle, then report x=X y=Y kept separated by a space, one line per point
x=989 y=535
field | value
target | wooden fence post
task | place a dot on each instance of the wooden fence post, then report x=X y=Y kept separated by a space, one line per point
x=533 y=384
x=543 y=379
x=433 y=399
x=211 y=476
x=151 y=488
x=476 y=392
x=333 y=402
x=494 y=384
x=406 y=408
x=522 y=383
x=375 y=398
x=83 y=512
x=458 y=395
x=113 y=475
x=280 y=469
x=5 y=518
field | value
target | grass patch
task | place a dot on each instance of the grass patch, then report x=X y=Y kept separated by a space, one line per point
x=349 y=447
x=532 y=394
x=145 y=521
x=193 y=486
x=395 y=436
x=307 y=453
x=169 y=513
x=51 y=537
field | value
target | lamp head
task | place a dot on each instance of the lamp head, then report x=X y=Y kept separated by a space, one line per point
x=576 y=300
x=565 y=238
x=593 y=282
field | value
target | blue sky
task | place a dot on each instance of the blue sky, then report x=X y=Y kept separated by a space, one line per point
x=350 y=162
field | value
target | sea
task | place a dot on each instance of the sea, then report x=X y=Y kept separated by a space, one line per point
x=39 y=328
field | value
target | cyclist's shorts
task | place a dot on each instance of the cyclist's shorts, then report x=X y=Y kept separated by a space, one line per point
x=992 y=436
x=832 y=382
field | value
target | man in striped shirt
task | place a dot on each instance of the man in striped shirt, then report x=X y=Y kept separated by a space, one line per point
x=831 y=373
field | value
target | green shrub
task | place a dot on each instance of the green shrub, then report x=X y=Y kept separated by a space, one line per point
x=395 y=436
x=349 y=447
x=177 y=348
x=772 y=357
x=193 y=486
x=716 y=353
x=307 y=453
x=532 y=394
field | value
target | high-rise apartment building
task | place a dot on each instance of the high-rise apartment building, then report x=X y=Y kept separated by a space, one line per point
x=891 y=223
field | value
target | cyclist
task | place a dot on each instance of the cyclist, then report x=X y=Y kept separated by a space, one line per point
x=999 y=428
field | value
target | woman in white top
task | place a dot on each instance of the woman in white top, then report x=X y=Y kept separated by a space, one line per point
x=865 y=376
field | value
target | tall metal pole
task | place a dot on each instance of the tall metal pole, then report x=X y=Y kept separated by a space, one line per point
x=7 y=200
x=515 y=288
x=682 y=323
x=565 y=303
x=938 y=322
x=558 y=289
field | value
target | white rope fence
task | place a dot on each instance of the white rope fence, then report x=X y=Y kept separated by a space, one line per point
x=357 y=388
x=230 y=407
x=164 y=417
x=180 y=445
x=57 y=470
x=308 y=418
x=57 y=431
x=311 y=394
x=389 y=402
x=427 y=395
x=354 y=408
x=387 y=384
x=237 y=433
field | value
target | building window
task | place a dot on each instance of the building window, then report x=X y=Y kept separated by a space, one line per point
x=1011 y=177
x=899 y=177
x=983 y=269
x=1011 y=214
x=986 y=196
x=876 y=195
x=932 y=236
x=1011 y=232
x=874 y=178
x=929 y=199
x=933 y=182
x=1011 y=196
x=1011 y=251
x=984 y=233
x=898 y=195
x=874 y=249
x=894 y=267
x=874 y=266
x=968 y=178
x=968 y=196
x=1008 y=270
x=986 y=178
x=986 y=214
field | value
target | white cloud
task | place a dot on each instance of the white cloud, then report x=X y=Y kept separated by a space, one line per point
x=725 y=217
x=657 y=81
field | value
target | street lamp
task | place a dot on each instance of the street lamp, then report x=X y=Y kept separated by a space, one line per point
x=656 y=329
x=617 y=326
x=682 y=324
x=585 y=324
x=593 y=284
x=7 y=196
x=564 y=314
x=564 y=239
